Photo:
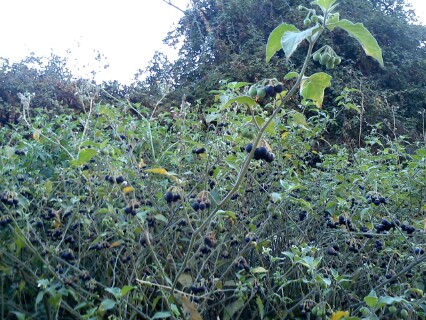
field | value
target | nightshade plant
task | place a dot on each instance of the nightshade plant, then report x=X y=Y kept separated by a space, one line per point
x=120 y=213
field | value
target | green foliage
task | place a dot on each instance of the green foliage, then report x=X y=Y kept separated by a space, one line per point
x=123 y=212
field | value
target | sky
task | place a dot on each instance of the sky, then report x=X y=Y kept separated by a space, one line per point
x=125 y=32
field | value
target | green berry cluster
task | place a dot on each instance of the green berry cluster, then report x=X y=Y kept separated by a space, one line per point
x=327 y=57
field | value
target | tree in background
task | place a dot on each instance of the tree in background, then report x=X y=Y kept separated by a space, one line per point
x=220 y=41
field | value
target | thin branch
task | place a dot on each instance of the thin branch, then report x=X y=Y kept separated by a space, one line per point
x=174 y=6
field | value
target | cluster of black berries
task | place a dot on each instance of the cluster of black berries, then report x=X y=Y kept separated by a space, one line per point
x=376 y=200
x=353 y=246
x=199 y=151
x=242 y=264
x=5 y=220
x=201 y=204
x=385 y=225
x=144 y=240
x=408 y=229
x=261 y=153
x=250 y=237
x=111 y=179
x=342 y=222
x=85 y=276
x=197 y=288
x=204 y=251
x=9 y=199
x=131 y=209
x=69 y=240
x=306 y=307
x=170 y=197
x=419 y=251
x=379 y=245
x=333 y=250
x=210 y=240
x=67 y=255
x=303 y=215
x=364 y=229
x=273 y=90
x=49 y=215
x=19 y=152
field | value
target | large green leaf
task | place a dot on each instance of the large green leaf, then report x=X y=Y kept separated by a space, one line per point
x=372 y=299
x=364 y=37
x=84 y=156
x=244 y=100
x=274 y=40
x=291 y=39
x=312 y=88
x=324 y=4
x=106 y=305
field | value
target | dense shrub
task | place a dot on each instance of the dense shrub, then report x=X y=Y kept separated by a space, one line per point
x=125 y=212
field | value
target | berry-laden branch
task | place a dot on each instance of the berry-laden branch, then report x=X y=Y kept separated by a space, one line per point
x=246 y=163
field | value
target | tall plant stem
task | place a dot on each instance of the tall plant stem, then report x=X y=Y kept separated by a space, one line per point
x=246 y=163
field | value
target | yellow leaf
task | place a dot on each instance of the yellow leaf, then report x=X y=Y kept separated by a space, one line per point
x=285 y=134
x=142 y=164
x=189 y=308
x=57 y=224
x=116 y=244
x=339 y=315
x=128 y=189
x=36 y=135
x=158 y=170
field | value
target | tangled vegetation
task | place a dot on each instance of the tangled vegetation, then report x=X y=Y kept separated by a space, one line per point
x=123 y=211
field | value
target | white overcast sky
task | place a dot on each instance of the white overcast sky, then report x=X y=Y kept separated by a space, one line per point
x=126 y=32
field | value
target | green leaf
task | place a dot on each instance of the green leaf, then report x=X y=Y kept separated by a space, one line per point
x=233 y=162
x=185 y=280
x=160 y=217
x=324 y=4
x=237 y=85
x=269 y=129
x=385 y=300
x=126 y=289
x=84 y=156
x=298 y=118
x=229 y=214
x=39 y=298
x=371 y=300
x=162 y=315
x=364 y=37
x=19 y=315
x=107 y=304
x=274 y=40
x=232 y=309
x=291 y=75
x=291 y=39
x=259 y=270
x=244 y=100
x=116 y=292
x=261 y=307
x=313 y=87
